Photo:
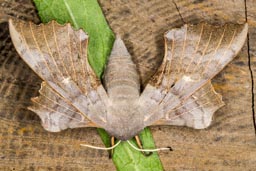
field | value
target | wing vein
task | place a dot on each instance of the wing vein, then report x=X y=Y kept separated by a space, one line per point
x=215 y=51
x=200 y=106
x=196 y=49
x=69 y=117
x=183 y=48
x=41 y=54
x=203 y=55
x=67 y=101
x=231 y=41
x=81 y=55
x=71 y=57
x=183 y=104
x=59 y=104
x=58 y=50
x=50 y=52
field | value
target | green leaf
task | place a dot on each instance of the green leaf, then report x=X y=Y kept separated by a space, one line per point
x=86 y=14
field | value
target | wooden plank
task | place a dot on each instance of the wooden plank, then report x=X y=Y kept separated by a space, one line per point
x=228 y=144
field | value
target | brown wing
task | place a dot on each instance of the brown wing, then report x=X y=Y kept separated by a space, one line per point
x=56 y=113
x=196 y=111
x=194 y=55
x=58 y=54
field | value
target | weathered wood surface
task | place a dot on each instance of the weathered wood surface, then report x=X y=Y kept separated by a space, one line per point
x=228 y=144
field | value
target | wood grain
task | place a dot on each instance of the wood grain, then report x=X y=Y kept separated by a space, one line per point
x=229 y=144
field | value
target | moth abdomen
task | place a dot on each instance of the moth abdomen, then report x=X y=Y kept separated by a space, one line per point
x=121 y=77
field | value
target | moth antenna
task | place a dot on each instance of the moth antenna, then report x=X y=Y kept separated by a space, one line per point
x=101 y=148
x=148 y=150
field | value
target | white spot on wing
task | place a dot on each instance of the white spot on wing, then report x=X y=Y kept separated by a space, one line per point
x=66 y=80
x=188 y=79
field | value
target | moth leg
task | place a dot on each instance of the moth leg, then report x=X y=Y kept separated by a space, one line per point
x=139 y=144
x=112 y=142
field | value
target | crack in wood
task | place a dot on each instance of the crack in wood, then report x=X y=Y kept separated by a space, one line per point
x=250 y=70
x=177 y=8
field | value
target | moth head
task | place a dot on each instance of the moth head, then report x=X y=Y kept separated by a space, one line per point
x=125 y=121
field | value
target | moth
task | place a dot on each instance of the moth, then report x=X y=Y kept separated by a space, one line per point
x=179 y=93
